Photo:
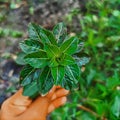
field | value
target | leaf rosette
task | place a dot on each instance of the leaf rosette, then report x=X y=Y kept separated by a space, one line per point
x=51 y=58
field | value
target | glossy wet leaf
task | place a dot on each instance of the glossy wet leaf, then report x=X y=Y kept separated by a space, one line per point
x=37 y=59
x=36 y=32
x=70 y=45
x=73 y=72
x=68 y=83
x=45 y=81
x=52 y=50
x=29 y=46
x=67 y=60
x=20 y=58
x=58 y=74
x=53 y=63
x=60 y=32
x=47 y=36
x=31 y=90
x=26 y=75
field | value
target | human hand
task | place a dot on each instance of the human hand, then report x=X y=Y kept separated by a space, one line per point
x=19 y=107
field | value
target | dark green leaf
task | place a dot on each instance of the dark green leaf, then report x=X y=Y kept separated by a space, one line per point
x=73 y=72
x=52 y=50
x=37 y=59
x=20 y=58
x=70 y=45
x=67 y=60
x=58 y=74
x=31 y=90
x=60 y=32
x=34 y=32
x=68 y=83
x=38 y=33
x=26 y=75
x=45 y=81
x=29 y=46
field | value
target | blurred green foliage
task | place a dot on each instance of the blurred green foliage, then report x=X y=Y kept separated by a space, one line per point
x=99 y=93
x=4 y=32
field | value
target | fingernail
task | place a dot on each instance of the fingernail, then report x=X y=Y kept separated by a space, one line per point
x=66 y=91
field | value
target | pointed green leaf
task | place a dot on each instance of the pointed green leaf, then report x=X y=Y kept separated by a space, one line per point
x=58 y=74
x=37 y=59
x=60 y=32
x=53 y=63
x=67 y=60
x=34 y=32
x=45 y=81
x=52 y=50
x=68 y=83
x=20 y=58
x=70 y=45
x=38 y=33
x=47 y=36
x=26 y=75
x=31 y=90
x=29 y=46
x=73 y=72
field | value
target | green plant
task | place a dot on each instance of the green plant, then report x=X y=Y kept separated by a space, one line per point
x=52 y=58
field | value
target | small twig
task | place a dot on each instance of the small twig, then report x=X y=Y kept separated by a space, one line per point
x=88 y=110
x=92 y=112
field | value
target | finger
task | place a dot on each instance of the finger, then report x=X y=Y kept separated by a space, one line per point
x=57 y=103
x=51 y=92
x=19 y=99
x=59 y=93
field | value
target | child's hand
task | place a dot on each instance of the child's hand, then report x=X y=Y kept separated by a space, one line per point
x=19 y=107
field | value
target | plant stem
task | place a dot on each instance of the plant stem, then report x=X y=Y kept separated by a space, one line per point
x=88 y=110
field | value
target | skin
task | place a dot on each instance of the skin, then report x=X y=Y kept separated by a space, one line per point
x=19 y=107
